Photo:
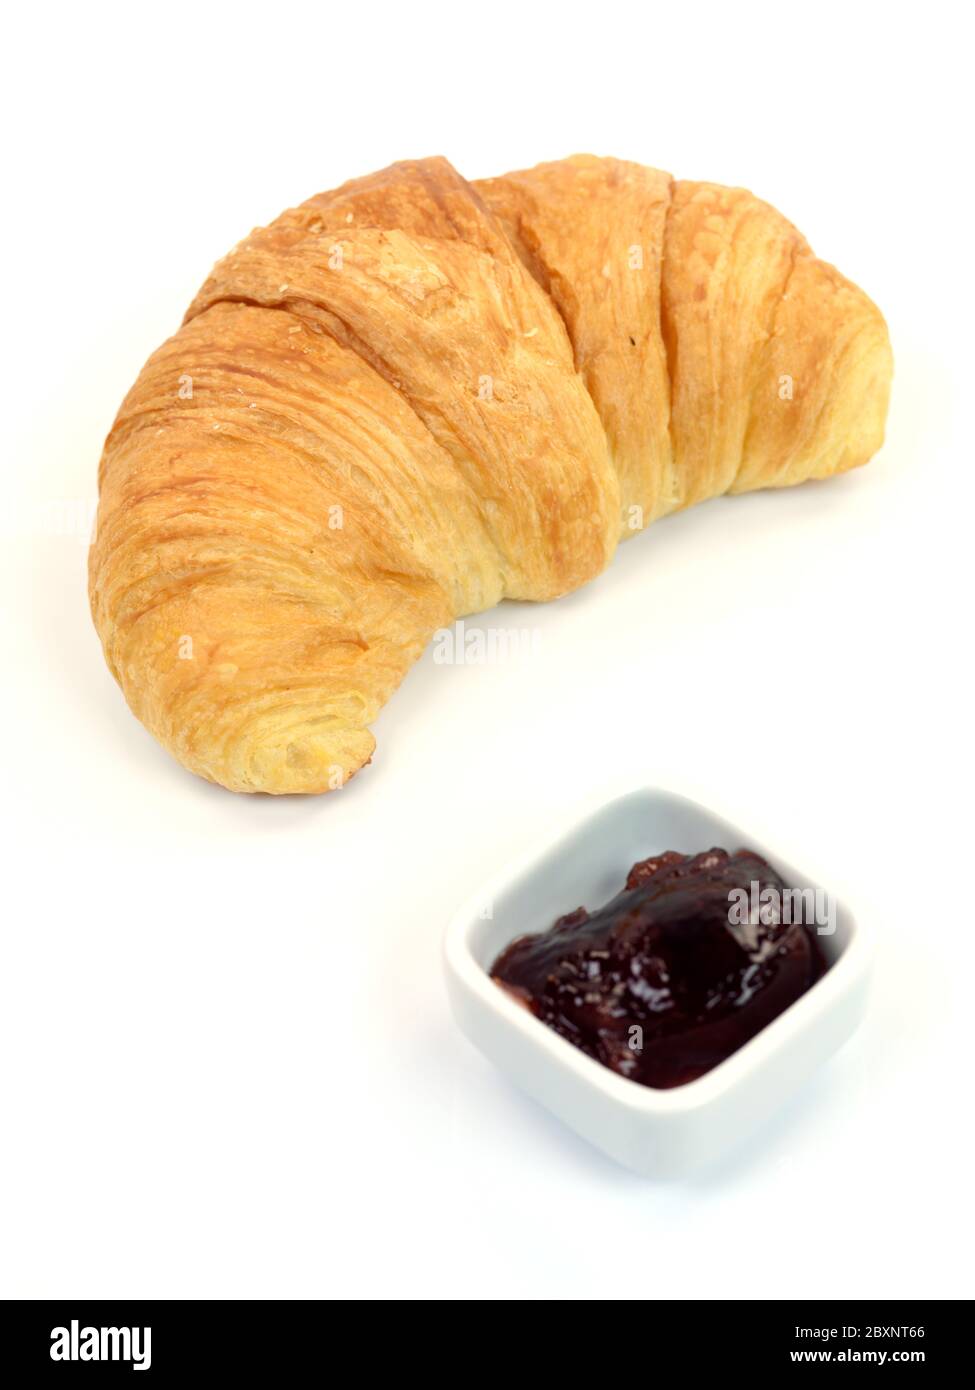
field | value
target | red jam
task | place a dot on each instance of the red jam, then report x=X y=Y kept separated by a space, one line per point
x=666 y=981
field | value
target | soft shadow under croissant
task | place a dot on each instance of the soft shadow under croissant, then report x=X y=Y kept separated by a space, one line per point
x=414 y=396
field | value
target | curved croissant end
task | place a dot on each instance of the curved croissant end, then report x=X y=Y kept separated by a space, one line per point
x=413 y=396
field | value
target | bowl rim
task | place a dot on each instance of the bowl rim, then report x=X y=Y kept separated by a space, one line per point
x=753 y=1056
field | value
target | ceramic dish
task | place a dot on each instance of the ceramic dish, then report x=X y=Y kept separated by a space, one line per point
x=654 y=1132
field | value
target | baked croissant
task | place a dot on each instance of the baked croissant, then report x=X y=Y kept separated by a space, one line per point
x=414 y=396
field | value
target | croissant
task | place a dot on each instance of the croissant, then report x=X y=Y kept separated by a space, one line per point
x=414 y=396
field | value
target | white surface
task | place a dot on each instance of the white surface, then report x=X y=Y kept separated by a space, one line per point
x=228 y=1066
x=659 y=1134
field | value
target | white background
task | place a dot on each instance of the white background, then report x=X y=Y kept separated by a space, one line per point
x=227 y=1066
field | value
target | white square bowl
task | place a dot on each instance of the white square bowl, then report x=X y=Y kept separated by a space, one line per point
x=660 y=1133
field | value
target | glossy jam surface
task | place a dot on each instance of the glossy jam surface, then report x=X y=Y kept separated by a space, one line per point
x=666 y=981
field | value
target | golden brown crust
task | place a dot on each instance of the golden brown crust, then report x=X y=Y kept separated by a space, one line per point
x=592 y=232
x=413 y=396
